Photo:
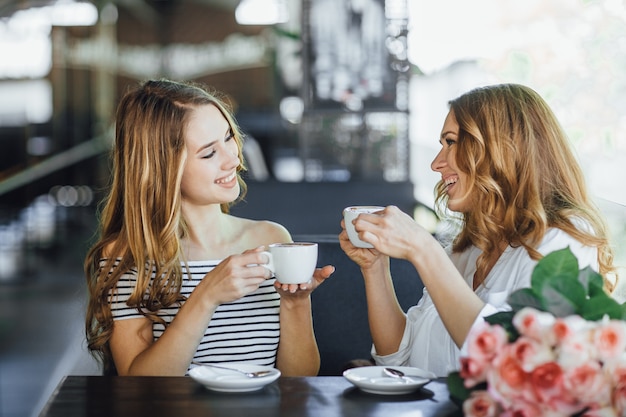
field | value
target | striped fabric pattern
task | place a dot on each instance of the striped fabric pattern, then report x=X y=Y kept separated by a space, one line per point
x=246 y=330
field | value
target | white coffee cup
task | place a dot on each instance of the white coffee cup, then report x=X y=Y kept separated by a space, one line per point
x=351 y=213
x=292 y=263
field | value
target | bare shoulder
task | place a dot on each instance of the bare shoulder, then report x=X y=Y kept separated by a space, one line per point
x=255 y=233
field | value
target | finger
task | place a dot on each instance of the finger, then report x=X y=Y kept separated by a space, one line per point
x=375 y=241
x=324 y=272
x=372 y=218
x=254 y=250
x=284 y=287
x=344 y=239
x=255 y=257
x=259 y=271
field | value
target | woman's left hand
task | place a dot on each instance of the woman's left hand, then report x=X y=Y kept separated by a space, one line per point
x=300 y=290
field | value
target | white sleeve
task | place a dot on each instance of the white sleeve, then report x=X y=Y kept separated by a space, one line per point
x=425 y=344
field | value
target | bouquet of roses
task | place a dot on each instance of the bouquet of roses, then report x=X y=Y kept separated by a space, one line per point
x=561 y=351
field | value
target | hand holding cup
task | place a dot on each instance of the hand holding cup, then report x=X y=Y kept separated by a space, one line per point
x=292 y=263
x=351 y=213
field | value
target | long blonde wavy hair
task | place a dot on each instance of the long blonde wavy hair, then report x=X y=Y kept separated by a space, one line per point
x=141 y=223
x=523 y=176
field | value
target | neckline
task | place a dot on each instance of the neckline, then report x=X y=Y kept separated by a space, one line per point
x=490 y=273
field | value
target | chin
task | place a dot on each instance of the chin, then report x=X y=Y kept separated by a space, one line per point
x=233 y=193
x=458 y=206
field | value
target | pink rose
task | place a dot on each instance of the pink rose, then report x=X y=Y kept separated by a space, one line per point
x=610 y=339
x=472 y=371
x=486 y=341
x=566 y=327
x=600 y=412
x=616 y=369
x=507 y=381
x=480 y=404
x=575 y=350
x=588 y=384
x=512 y=373
x=530 y=353
x=557 y=367
x=619 y=399
x=535 y=324
x=523 y=408
x=548 y=385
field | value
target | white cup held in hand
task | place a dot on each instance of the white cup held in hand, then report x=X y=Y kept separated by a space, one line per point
x=351 y=213
x=292 y=263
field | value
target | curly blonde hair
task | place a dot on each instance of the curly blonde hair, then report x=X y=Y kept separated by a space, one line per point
x=523 y=176
x=141 y=223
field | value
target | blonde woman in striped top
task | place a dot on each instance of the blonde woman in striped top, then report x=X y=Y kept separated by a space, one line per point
x=171 y=278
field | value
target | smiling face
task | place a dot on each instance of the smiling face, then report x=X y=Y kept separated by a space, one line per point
x=445 y=164
x=210 y=172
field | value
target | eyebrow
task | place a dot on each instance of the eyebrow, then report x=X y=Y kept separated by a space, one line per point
x=443 y=134
x=229 y=132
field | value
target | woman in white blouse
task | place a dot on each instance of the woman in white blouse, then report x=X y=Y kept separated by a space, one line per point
x=509 y=174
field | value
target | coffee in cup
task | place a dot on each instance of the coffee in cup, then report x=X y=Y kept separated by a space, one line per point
x=292 y=263
x=351 y=213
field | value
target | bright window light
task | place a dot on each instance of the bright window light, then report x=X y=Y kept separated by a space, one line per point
x=261 y=12
x=572 y=52
x=69 y=13
x=29 y=30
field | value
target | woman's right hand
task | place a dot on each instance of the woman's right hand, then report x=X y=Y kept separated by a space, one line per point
x=236 y=276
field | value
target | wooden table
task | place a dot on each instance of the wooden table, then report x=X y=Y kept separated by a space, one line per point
x=328 y=396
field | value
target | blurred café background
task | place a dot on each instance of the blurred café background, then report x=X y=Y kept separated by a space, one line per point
x=342 y=102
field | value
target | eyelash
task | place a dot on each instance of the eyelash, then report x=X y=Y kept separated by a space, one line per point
x=450 y=142
x=228 y=138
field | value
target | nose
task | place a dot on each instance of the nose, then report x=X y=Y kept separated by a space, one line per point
x=231 y=158
x=235 y=161
x=439 y=162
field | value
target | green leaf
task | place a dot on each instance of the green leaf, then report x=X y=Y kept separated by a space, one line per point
x=556 y=303
x=592 y=281
x=560 y=288
x=558 y=263
x=524 y=297
x=457 y=388
x=600 y=305
x=504 y=319
x=501 y=318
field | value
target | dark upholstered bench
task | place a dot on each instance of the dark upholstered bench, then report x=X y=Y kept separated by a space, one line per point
x=340 y=307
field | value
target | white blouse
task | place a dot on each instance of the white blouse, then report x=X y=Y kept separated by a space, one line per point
x=426 y=343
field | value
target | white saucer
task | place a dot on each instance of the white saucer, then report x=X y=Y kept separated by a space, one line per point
x=372 y=379
x=223 y=380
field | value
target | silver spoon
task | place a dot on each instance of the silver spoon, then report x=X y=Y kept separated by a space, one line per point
x=396 y=373
x=256 y=374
